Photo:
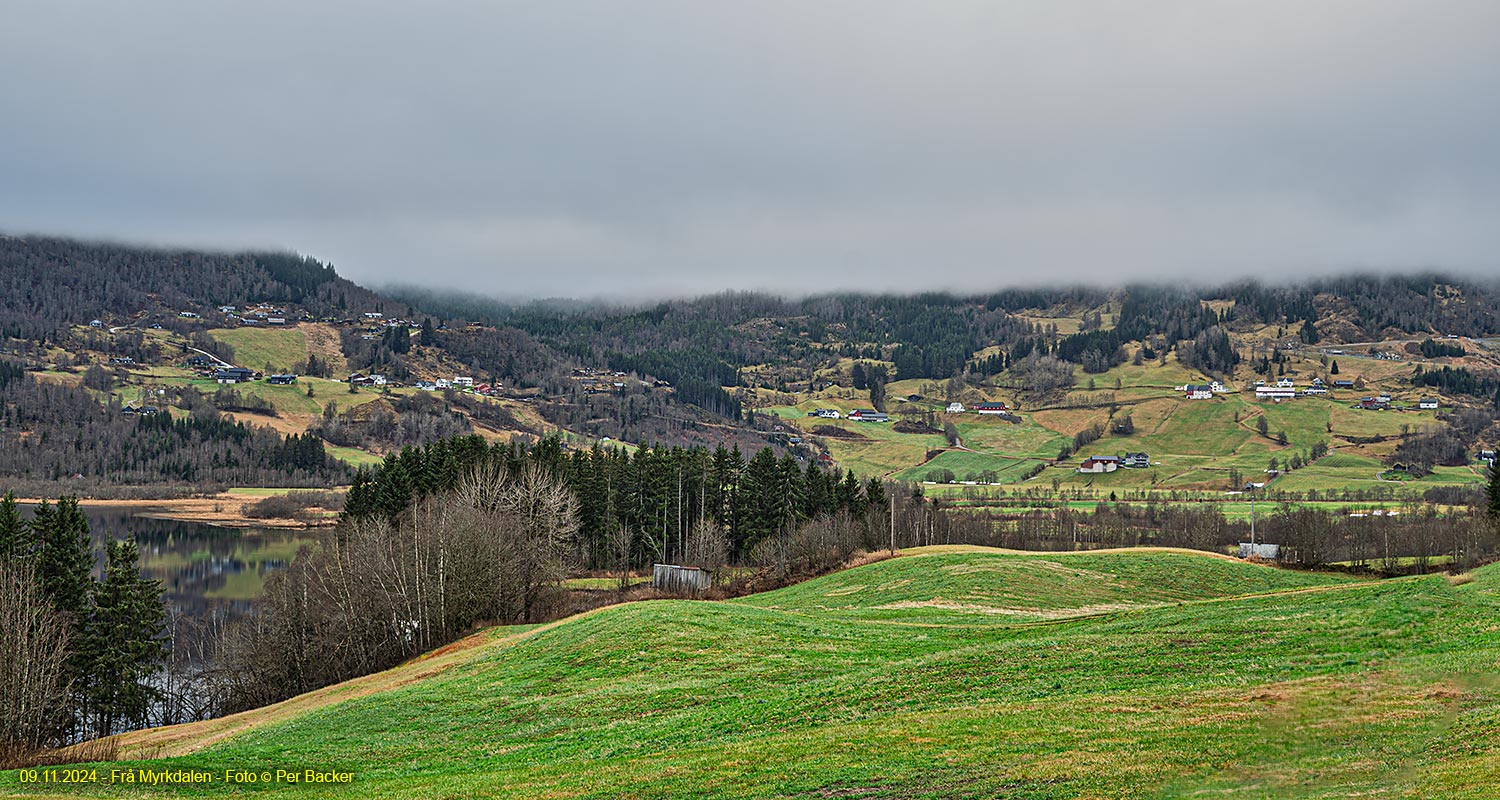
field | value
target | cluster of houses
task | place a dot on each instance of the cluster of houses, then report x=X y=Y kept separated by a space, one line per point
x=462 y=383
x=1202 y=391
x=1280 y=389
x=361 y=379
x=262 y=314
x=602 y=380
x=981 y=408
x=144 y=411
x=1382 y=402
x=1100 y=464
x=870 y=415
x=1286 y=389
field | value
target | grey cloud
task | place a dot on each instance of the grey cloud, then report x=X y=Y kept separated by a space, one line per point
x=634 y=149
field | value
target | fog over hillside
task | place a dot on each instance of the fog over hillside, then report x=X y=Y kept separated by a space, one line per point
x=659 y=148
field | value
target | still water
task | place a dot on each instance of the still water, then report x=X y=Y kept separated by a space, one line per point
x=209 y=575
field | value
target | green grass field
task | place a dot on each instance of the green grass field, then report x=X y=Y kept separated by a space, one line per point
x=1196 y=442
x=284 y=349
x=963 y=464
x=958 y=673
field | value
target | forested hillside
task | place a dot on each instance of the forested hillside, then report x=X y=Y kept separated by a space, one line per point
x=63 y=433
x=47 y=284
x=102 y=330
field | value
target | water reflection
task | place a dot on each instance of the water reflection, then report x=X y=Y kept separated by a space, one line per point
x=210 y=575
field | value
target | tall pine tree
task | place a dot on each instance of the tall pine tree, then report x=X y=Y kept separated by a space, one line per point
x=64 y=557
x=124 y=645
x=15 y=542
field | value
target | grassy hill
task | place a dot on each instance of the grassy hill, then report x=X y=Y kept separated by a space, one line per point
x=1114 y=675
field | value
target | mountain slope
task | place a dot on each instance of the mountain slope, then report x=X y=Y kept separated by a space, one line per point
x=48 y=283
x=1342 y=690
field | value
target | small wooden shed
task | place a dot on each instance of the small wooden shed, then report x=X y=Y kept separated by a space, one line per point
x=680 y=580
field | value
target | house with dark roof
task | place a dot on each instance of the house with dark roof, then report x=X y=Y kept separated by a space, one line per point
x=234 y=375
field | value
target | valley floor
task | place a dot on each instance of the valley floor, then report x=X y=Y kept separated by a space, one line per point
x=948 y=672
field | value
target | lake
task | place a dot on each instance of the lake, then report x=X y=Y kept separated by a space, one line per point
x=209 y=574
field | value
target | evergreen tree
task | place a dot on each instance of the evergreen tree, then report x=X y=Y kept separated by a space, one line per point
x=14 y=542
x=850 y=496
x=429 y=335
x=65 y=558
x=875 y=494
x=1333 y=369
x=124 y=645
x=1494 y=489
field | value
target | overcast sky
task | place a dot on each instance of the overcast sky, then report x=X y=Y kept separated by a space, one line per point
x=640 y=148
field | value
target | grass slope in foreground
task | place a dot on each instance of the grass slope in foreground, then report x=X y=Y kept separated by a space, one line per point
x=1210 y=678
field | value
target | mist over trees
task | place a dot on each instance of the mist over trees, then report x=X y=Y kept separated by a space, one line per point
x=47 y=284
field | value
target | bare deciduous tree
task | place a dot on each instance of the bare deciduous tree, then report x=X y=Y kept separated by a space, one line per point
x=34 y=641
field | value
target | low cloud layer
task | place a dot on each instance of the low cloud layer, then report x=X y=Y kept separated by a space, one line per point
x=666 y=148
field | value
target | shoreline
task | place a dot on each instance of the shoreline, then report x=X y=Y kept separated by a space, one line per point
x=223 y=510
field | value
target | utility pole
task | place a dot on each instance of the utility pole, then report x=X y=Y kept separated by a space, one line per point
x=893 y=523
x=1250 y=490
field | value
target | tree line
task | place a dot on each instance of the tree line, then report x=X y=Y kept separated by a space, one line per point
x=657 y=494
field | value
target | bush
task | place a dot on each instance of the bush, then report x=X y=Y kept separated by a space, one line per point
x=277 y=506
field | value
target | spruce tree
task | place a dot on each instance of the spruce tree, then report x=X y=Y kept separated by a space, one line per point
x=850 y=496
x=64 y=561
x=64 y=557
x=1494 y=489
x=124 y=646
x=14 y=541
x=875 y=494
